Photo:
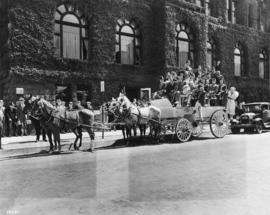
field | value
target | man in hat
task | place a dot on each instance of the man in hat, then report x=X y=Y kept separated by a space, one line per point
x=21 y=113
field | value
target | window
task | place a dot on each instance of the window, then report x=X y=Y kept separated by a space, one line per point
x=128 y=43
x=238 y=60
x=211 y=54
x=230 y=11
x=184 y=45
x=70 y=33
x=263 y=73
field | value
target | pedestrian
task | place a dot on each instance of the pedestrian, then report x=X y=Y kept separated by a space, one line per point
x=21 y=112
x=70 y=106
x=231 y=104
x=11 y=119
x=2 y=115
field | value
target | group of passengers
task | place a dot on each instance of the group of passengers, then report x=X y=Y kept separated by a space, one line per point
x=186 y=87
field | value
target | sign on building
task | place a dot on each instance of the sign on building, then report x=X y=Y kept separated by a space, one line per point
x=19 y=91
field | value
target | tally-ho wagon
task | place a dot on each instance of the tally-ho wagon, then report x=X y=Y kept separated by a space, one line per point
x=182 y=122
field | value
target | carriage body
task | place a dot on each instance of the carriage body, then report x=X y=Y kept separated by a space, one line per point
x=182 y=121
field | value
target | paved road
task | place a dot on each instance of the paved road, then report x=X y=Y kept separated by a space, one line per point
x=207 y=176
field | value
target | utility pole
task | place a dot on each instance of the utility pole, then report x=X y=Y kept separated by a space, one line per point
x=102 y=90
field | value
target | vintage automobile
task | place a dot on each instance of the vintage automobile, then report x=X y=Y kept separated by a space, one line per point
x=255 y=117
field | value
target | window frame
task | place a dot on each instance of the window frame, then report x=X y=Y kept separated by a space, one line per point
x=182 y=27
x=121 y=23
x=71 y=10
x=241 y=55
x=264 y=59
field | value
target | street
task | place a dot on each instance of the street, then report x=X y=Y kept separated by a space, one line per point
x=203 y=176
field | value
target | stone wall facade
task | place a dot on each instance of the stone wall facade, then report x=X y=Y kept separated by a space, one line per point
x=27 y=52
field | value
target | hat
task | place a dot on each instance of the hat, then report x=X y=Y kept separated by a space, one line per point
x=21 y=99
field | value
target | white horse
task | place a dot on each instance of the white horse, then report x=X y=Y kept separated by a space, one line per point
x=141 y=116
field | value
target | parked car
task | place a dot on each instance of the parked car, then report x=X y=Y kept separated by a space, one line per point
x=255 y=117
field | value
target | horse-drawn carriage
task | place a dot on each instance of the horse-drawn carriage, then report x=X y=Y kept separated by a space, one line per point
x=184 y=123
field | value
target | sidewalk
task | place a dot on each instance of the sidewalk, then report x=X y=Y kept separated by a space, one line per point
x=23 y=142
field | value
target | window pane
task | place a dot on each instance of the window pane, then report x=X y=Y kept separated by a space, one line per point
x=127 y=50
x=261 y=69
x=83 y=32
x=237 y=51
x=62 y=8
x=85 y=49
x=71 y=42
x=237 y=65
x=71 y=18
x=57 y=16
x=183 y=52
x=183 y=35
x=117 y=54
x=127 y=29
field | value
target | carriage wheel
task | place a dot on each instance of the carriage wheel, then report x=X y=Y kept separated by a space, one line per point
x=197 y=129
x=219 y=124
x=183 y=130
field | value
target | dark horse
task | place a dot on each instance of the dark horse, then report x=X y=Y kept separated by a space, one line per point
x=76 y=120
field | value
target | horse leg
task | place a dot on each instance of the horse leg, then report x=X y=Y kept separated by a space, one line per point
x=124 y=132
x=74 y=130
x=92 y=137
x=49 y=134
x=80 y=136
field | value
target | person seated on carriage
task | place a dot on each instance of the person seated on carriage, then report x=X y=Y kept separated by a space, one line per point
x=70 y=106
x=78 y=105
x=213 y=91
x=207 y=93
x=187 y=93
x=217 y=75
x=135 y=102
x=89 y=106
x=199 y=97
x=222 y=90
x=59 y=105
x=162 y=84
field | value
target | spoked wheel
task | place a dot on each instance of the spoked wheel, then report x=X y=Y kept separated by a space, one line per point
x=184 y=130
x=197 y=129
x=219 y=124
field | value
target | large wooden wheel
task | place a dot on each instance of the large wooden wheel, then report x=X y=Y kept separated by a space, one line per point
x=183 y=130
x=219 y=124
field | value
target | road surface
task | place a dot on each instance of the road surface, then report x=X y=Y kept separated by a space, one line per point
x=206 y=176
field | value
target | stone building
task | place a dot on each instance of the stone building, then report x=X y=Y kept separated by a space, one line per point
x=48 y=46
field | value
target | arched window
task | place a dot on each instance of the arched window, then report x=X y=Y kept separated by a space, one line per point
x=70 y=33
x=184 y=45
x=128 y=43
x=211 y=54
x=238 y=60
x=263 y=73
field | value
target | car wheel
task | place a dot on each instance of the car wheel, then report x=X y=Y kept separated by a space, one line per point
x=259 y=127
x=235 y=130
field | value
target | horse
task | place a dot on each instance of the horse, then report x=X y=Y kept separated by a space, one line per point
x=113 y=108
x=76 y=120
x=144 y=115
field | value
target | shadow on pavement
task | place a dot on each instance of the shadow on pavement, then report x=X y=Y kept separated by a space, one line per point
x=42 y=153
